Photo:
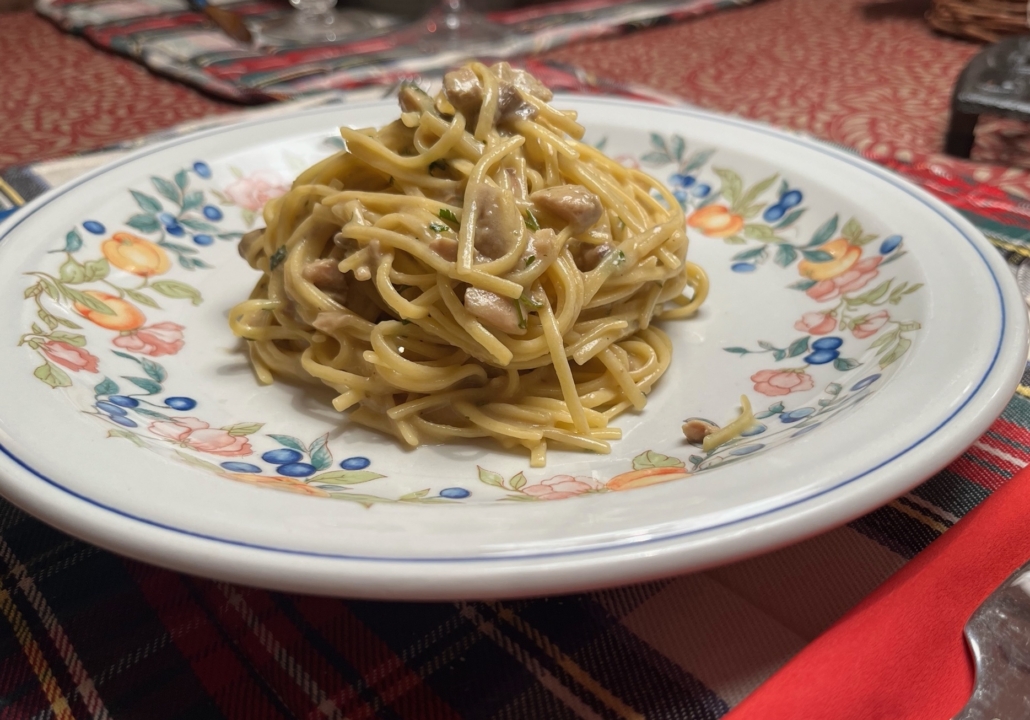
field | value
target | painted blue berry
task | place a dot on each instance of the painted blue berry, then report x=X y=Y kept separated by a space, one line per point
x=742 y=267
x=202 y=169
x=795 y=415
x=808 y=429
x=865 y=382
x=790 y=198
x=680 y=194
x=212 y=213
x=773 y=213
x=176 y=230
x=890 y=244
x=240 y=467
x=296 y=469
x=167 y=219
x=282 y=456
x=355 y=463
x=123 y=401
x=181 y=403
x=94 y=227
x=701 y=190
x=756 y=429
x=203 y=240
x=682 y=180
x=821 y=357
x=123 y=421
x=454 y=493
x=110 y=409
x=746 y=449
x=827 y=343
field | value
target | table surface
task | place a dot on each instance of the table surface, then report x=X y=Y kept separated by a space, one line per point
x=869 y=75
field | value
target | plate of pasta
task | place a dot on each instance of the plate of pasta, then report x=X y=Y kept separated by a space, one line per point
x=482 y=341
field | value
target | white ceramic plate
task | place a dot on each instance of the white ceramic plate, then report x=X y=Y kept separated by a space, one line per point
x=873 y=329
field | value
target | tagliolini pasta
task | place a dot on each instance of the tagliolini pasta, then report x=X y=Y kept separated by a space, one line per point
x=472 y=270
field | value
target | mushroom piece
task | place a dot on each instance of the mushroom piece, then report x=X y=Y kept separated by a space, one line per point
x=497 y=221
x=696 y=430
x=463 y=91
x=496 y=311
x=248 y=240
x=325 y=275
x=574 y=204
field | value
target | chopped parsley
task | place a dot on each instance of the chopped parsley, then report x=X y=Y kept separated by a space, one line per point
x=530 y=260
x=438 y=227
x=448 y=215
x=528 y=300
x=522 y=315
x=405 y=321
x=277 y=258
x=531 y=222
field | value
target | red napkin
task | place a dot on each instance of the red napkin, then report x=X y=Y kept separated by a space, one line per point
x=900 y=654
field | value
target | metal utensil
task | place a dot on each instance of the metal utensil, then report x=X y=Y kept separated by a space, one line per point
x=229 y=22
x=998 y=634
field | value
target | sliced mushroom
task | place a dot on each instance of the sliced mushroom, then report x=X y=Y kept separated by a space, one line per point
x=248 y=240
x=496 y=311
x=445 y=247
x=574 y=204
x=325 y=275
x=497 y=221
x=696 y=430
x=463 y=91
x=541 y=251
x=592 y=256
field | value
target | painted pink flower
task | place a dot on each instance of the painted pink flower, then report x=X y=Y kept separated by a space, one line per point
x=560 y=487
x=855 y=278
x=871 y=325
x=781 y=382
x=164 y=338
x=816 y=323
x=198 y=435
x=253 y=191
x=69 y=356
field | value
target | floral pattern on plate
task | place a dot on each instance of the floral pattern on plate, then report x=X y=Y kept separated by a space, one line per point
x=116 y=282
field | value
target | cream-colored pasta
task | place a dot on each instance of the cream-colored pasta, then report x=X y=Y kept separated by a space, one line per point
x=472 y=270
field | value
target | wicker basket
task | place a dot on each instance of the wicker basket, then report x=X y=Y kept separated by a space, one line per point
x=985 y=20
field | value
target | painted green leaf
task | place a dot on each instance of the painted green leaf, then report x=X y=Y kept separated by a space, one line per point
x=70 y=338
x=766 y=345
x=490 y=478
x=146 y=384
x=151 y=413
x=816 y=255
x=290 y=442
x=154 y=370
x=182 y=179
x=72 y=241
x=652 y=459
x=825 y=232
x=146 y=203
x=801 y=285
x=63 y=321
x=785 y=255
x=197 y=225
x=248 y=217
x=734 y=240
x=131 y=436
x=697 y=161
x=321 y=458
x=756 y=190
x=166 y=189
x=798 y=347
x=417 y=495
x=141 y=298
x=678 y=147
x=198 y=463
x=749 y=254
x=659 y=142
x=144 y=223
x=50 y=320
x=873 y=295
x=193 y=200
x=914 y=287
x=86 y=300
x=754 y=231
x=884 y=339
x=176 y=289
x=909 y=326
x=695 y=459
x=106 y=387
x=737 y=350
x=732 y=185
x=345 y=477
x=243 y=428
x=72 y=272
x=896 y=352
x=97 y=269
x=776 y=408
x=230 y=235
x=517 y=482
x=32 y=291
x=852 y=231
x=845 y=364
x=119 y=353
x=52 y=375
x=790 y=218
x=834 y=389
x=779 y=355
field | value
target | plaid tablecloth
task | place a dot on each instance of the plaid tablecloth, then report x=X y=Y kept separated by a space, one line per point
x=170 y=38
x=88 y=634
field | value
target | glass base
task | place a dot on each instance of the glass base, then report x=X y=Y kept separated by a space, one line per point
x=332 y=26
x=444 y=30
